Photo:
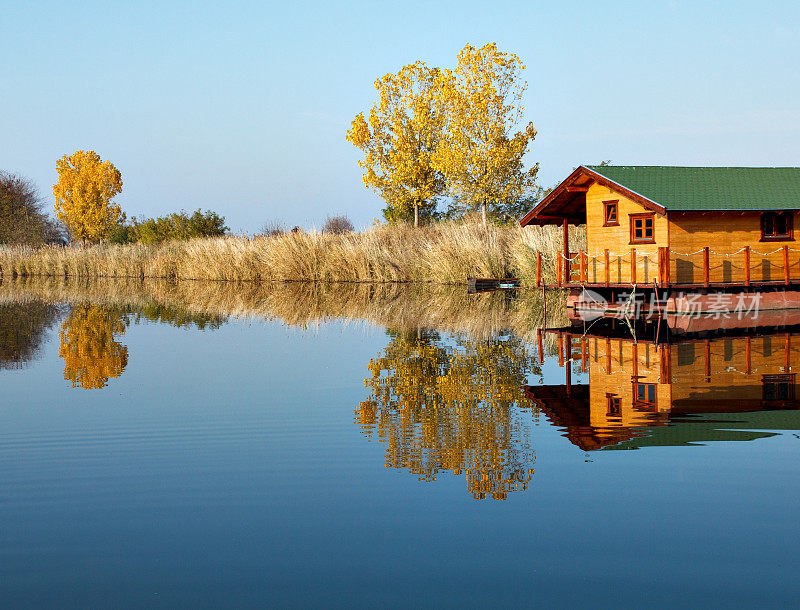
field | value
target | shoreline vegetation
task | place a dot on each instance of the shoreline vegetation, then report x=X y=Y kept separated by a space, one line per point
x=440 y=253
x=306 y=304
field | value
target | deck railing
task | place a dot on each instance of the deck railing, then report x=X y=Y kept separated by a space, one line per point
x=667 y=267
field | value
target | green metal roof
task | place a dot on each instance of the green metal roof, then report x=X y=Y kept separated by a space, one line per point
x=709 y=188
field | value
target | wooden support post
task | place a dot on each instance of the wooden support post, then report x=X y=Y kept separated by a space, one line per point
x=559 y=261
x=568 y=367
x=585 y=354
x=708 y=360
x=581 y=256
x=747 y=268
x=608 y=269
x=635 y=359
x=666 y=363
x=748 y=359
x=608 y=355
x=566 y=252
x=538 y=269
x=667 y=278
x=540 y=345
x=787 y=349
x=786 y=265
x=706 y=268
x=633 y=265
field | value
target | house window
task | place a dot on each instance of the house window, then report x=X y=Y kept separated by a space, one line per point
x=776 y=226
x=642 y=229
x=778 y=387
x=611 y=219
x=614 y=406
x=644 y=396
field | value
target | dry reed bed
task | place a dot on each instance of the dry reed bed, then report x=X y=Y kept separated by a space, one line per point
x=444 y=253
x=394 y=306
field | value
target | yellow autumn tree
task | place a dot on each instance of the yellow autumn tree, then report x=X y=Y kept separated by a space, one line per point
x=85 y=194
x=91 y=353
x=481 y=152
x=399 y=139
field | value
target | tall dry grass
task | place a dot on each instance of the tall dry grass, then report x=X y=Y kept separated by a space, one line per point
x=444 y=253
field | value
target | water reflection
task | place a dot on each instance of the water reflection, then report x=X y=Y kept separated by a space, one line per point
x=690 y=389
x=23 y=328
x=456 y=406
x=92 y=355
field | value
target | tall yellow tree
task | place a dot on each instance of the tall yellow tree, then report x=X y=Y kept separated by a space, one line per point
x=85 y=194
x=481 y=154
x=399 y=139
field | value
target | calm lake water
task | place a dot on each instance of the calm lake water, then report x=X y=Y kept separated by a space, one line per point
x=214 y=446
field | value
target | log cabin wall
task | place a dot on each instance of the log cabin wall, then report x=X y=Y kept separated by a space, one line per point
x=617 y=240
x=737 y=368
x=725 y=375
x=725 y=233
x=613 y=365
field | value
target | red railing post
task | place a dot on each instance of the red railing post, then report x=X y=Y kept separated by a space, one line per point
x=540 y=345
x=706 y=268
x=786 y=265
x=582 y=257
x=538 y=269
x=608 y=269
x=559 y=261
x=747 y=265
x=633 y=265
x=748 y=356
x=585 y=354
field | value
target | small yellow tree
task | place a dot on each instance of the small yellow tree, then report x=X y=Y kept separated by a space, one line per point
x=399 y=139
x=480 y=155
x=85 y=194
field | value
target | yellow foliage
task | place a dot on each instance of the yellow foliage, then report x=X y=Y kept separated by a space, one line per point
x=480 y=155
x=84 y=195
x=89 y=348
x=399 y=138
x=459 y=408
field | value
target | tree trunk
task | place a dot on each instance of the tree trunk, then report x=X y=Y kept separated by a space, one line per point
x=416 y=215
x=483 y=213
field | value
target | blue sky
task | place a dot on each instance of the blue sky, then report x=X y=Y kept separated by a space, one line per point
x=242 y=107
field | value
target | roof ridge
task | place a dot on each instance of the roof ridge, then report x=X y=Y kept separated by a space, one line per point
x=697 y=166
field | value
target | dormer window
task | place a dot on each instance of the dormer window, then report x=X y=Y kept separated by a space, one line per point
x=777 y=226
x=610 y=215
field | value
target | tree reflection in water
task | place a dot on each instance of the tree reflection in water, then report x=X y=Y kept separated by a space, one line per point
x=23 y=327
x=453 y=406
x=92 y=355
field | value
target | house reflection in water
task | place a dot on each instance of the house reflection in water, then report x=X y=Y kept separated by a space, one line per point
x=637 y=387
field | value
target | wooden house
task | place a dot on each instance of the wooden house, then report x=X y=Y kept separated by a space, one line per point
x=677 y=227
x=634 y=385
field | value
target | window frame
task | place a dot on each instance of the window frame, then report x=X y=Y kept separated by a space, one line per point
x=606 y=206
x=788 y=236
x=613 y=405
x=775 y=380
x=642 y=240
x=645 y=404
